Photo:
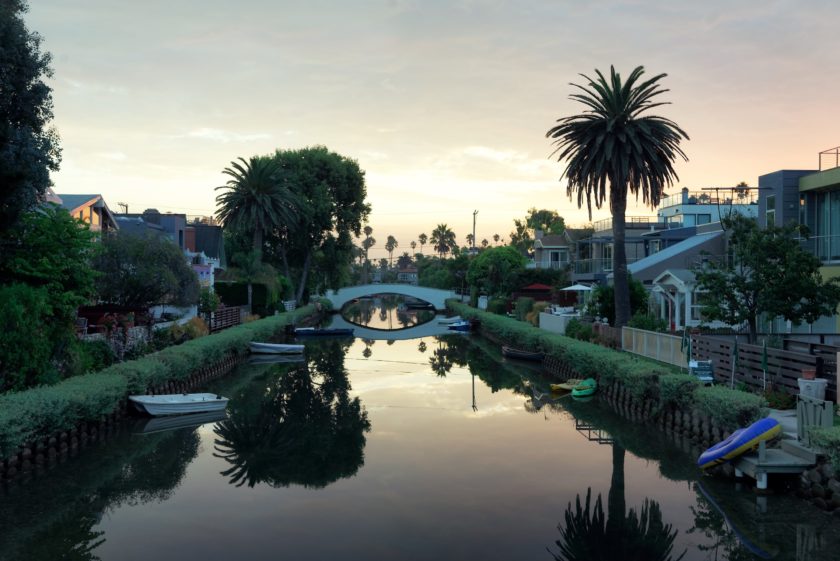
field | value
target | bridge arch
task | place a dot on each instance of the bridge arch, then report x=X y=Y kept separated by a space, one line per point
x=428 y=329
x=434 y=296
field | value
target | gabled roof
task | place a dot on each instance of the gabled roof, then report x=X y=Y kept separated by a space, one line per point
x=672 y=251
x=682 y=278
x=558 y=240
x=72 y=202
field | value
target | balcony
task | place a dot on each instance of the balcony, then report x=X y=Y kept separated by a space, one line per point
x=629 y=221
x=722 y=196
x=596 y=266
x=830 y=159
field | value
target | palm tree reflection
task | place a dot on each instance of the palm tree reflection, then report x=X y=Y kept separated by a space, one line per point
x=589 y=535
x=302 y=431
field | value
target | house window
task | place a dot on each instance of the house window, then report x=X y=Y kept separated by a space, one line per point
x=770 y=215
x=704 y=219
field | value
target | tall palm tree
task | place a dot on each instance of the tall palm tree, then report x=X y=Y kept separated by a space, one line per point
x=422 y=238
x=443 y=239
x=496 y=238
x=613 y=144
x=256 y=199
x=470 y=240
x=390 y=245
x=413 y=245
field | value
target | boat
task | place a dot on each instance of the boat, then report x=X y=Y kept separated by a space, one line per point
x=740 y=442
x=450 y=320
x=566 y=386
x=419 y=306
x=162 y=424
x=276 y=359
x=179 y=403
x=275 y=348
x=585 y=388
x=462 y=325
x=510 y=352
x=323 y=331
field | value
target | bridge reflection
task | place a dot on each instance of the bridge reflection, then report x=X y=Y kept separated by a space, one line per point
x=427 y=329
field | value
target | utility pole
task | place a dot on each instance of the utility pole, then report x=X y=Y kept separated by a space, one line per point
x=473 y=238
x=124 y=207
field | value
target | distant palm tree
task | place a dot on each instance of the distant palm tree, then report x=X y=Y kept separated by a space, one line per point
x=422 y=238
x=443 y=239
x=404 y=260
x=413 y=245
x=612 y=144
x=390 y=245
x=256 y=199
x=496 y=238
x=484 y=243
x=470 y=239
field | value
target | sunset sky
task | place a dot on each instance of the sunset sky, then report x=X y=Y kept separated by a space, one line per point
x=445 y=105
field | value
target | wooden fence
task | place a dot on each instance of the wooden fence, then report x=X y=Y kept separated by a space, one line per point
x=225 y=317
x=784 y=367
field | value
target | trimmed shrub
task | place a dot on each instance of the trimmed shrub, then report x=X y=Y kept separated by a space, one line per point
x=677 y=390
x=730 y=408
x=43 y=411
x=523 y=307
x=497 y=306
x=828 y=440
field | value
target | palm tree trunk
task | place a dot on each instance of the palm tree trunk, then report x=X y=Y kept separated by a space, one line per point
x=616 y=502
x=250 y=298
x=258 y=239
x=286 y=272
x=304 y=275
x=620 y=280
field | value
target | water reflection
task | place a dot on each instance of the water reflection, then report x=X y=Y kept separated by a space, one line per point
x=387 y=311
x=304 y=429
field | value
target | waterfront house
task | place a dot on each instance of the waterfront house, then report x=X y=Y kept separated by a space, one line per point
x=90 y=209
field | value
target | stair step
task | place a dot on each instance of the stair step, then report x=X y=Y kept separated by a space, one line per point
x=794 y=448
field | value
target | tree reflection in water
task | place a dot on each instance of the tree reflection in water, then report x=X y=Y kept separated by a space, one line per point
x=588 y=535
x=305 y=429
x=380 y=311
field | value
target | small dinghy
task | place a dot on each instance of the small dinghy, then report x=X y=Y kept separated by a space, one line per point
x=178 y=404
x=566 y=386
x=740 y=442
x=163 y=424
x=585 y=388
x=510 y=352
x=462 y=325
x=450 y=320
x=275 y=348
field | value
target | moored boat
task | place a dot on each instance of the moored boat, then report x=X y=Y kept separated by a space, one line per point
x=566 y=386
x=740 y=442
x=178 y=404
x=585 y=388
x=323 y=332
x=450 y=320
x=163 y=424
x=275 y=348
x=510 y=352
x=462 y=325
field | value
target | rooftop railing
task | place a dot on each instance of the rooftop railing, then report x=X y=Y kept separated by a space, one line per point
x=606 y=223
x=713 y=196
x=830 y=158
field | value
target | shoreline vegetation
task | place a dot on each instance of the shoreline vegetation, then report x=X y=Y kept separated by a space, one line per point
x=44 y=412
x=667 y=393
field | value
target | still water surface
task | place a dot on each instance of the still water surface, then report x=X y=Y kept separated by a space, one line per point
x=421 y=449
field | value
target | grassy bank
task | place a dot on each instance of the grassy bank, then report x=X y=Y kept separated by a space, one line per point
x=42 y=412
x=644 y=378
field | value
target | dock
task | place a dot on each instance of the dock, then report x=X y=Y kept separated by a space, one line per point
x=791 y=458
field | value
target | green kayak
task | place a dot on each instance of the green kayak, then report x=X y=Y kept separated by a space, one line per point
x=585 y=388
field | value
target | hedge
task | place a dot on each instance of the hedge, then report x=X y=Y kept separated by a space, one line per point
x=41 y=412
x=643 y=378
x=828 y=440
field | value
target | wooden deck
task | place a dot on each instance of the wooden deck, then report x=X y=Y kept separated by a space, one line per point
x=766 y=461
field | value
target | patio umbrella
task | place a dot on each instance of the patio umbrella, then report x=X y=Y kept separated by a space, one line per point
x=577 y=288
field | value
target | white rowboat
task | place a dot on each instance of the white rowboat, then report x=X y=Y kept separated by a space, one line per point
x=450 y=321
x=275 y=348
x=178 y=404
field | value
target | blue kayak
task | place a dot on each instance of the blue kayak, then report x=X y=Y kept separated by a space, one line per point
x=739 y=442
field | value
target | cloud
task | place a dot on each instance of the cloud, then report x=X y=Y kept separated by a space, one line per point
x=223 y=136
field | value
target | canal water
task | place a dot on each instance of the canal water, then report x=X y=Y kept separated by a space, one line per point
x=432 y=448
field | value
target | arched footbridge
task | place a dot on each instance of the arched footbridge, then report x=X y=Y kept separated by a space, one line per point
x=428 y=329
x=434 y=296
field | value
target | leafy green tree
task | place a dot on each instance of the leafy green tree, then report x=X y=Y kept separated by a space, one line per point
x=495 y=269
x=29 y=147
x=144 y=270
x=404 y=260
x=27 y=346
x=257 y=198
x=423 y=239
x=613 y=144
x=390 y=245
x=768 y=273
x=331 y=192
x=443 y=239
x=602 y=302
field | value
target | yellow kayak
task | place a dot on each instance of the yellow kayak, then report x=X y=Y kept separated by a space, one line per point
x=566 y=386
